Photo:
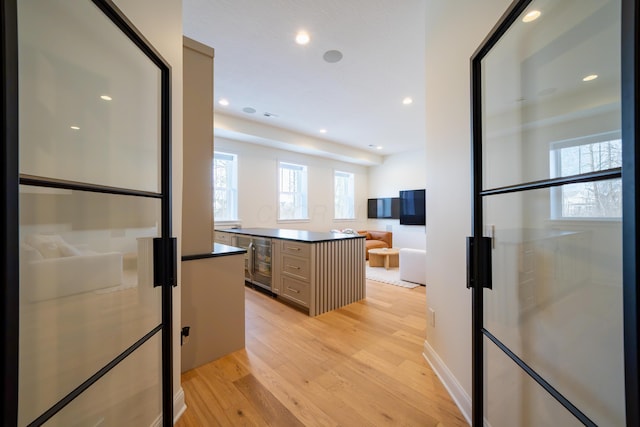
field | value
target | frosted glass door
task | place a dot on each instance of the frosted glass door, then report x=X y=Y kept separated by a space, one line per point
x=549 y=195
x=91 y=203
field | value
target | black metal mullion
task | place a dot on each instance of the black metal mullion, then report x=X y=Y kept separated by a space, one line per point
x=556 y=182
x=9 y=239
x=167 y=289
x=109 y=8
x=79 y=186
x=541 y=381
x=630 y=38
x=477 y=300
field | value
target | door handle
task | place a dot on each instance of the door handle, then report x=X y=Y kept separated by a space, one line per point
x=479 y=263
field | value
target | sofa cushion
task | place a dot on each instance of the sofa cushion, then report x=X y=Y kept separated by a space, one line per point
x=375 y=244
x=51 y=246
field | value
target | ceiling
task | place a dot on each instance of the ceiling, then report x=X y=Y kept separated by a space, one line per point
x=358 y=100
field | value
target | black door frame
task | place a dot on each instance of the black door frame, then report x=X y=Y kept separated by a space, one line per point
x=479 y=262
x=9 y=246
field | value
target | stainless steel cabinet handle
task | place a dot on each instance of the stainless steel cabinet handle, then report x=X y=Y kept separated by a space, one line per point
x=295 y=267
x=293 y=290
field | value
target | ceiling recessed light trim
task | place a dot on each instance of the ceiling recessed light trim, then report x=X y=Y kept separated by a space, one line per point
x=249 y=110
x=323 y=131
x=590 y=77
x=106 y=98
x=74 y=127
x=223 y=101
x=407 y=100
x=303 y=38
x=531 y=16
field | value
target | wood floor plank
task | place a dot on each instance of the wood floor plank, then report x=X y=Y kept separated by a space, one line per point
x=360 y=365
x=271 y=409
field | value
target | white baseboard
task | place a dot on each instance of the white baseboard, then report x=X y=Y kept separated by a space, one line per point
x=455 y=389
x=179 y=406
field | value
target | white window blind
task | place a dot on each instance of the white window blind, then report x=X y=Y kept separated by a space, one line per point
x=344 y=195
x=292 y=184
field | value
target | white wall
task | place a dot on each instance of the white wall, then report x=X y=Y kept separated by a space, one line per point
x=258 y=187
x=160 y=21
x=403 y=171
x=448 y=50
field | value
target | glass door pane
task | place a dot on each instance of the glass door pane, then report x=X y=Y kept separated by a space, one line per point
x=90 y=206
x=89 y=98
x=536 y=99
x=86 y=291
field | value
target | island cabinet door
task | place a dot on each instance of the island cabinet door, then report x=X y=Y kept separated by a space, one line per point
x=293 y=278
x=276 y=268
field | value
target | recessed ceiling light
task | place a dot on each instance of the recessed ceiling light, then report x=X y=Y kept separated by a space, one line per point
x=323 y=131
x=332 y=56
x=531 y=16
x=106 y=97
x=302 y=37
x=74 y=127
x=379 y=147
x=590 y=77
x=408 y=100
x=249 y=110
x=223 y=101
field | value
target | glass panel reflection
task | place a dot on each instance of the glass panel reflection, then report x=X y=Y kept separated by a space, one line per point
x=117 y=401
x=89 y=99
x=536 y=99
x=557 y=298
x=86 y=291
x=516 y=399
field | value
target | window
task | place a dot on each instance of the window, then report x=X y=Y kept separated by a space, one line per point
x=600 y=199
x=343 y=191
x=225 y=186
x=293 y=191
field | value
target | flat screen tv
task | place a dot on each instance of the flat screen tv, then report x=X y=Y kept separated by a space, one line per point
x=412 y=208
x=388 y=207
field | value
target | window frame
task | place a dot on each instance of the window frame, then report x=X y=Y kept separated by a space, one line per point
x=301 y=212
x=232 y=192
x=350 y=198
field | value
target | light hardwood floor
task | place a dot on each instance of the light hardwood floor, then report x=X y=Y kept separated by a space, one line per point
x=360 y=365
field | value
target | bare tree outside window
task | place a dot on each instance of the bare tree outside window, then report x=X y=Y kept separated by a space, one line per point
x=600 y=199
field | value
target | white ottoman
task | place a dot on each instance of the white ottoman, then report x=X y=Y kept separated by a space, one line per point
x=413 y=265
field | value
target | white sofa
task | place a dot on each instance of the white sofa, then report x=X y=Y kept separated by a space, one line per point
x=413 y=265
x=51 y=268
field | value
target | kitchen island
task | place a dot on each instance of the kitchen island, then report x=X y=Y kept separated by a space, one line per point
x=315 y=271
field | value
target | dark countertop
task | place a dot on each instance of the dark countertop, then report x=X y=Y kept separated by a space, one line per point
x=297 y=235
x=218 y=250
